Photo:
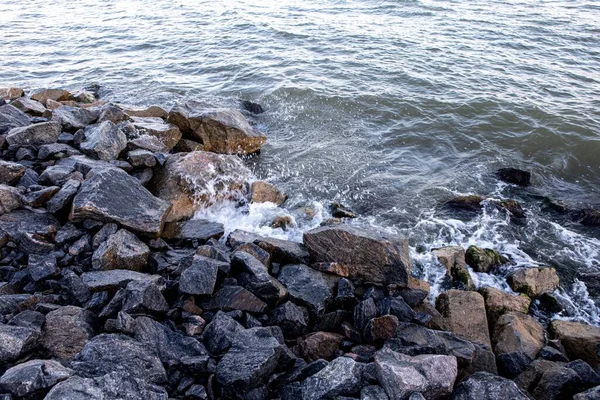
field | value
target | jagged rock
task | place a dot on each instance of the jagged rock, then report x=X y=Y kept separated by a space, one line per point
x=11 y=117
x=42 y=95
x=107 y=196
x=67 y=330
x=33 y=232
x=431 y=375
x=108 y=353
x=98 y=281
x=150 y=143
x=144 y=297
x=220 y=130
x=483 y=260
x=16 y=341
x=485 y=386
x=167 y=133
x=112 y=113
x=258 y=280
x=397 y=307
x=512 y=364
x=11 y=93
x=190 y=181
x=41 y=267
x=533 y=281
x=581 y=341
x=374 y=392
x=74 y=118
x=145 y=112
x=194 y=229
x=341 y=377
x=252 y=358
x=292 y=319
x=64 y=197
x=369 y=255
x=235 y=298
x=345 y=297
x=104 y=141
x=592 y=394
x=10 y=172
x=465 y=314
x=557 y=383
x=262 y=192
x=468 y=203
x=10 y=199
x=34 y=135
x=514 y=176
x=141 y=158
x=588 y=377
x=307 y=287
x=29 y=106
x=113 y=386
x=532 y=374
x=340 y=211
x=512 y=206
x=33 y=376
x=220 y=332
x=122 y=250
x=381 y=328
x=319 y=345
x=498 y=302
x=551 y=354
x=58 y=175
x=363 y=313
x=517 y=332
x=30 y=319
x=200 y=277
x=38 y=198
x=281 y=251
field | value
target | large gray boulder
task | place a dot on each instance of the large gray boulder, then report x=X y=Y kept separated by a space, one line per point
x=104 y=141
x=486 y=386
x=33 y=376
x=370 y=256
x=112 y=195
x=122 y=250
x=307 y=287
x=34 y=135
x=11 y=117
x=341 y=377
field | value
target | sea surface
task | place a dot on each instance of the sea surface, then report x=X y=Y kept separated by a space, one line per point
x=391 y=107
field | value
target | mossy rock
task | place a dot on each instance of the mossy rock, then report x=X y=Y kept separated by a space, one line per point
x=483 y=260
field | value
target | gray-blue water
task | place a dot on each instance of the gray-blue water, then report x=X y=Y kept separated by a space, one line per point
x=389 y=106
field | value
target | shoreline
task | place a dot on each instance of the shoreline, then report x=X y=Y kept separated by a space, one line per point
x=109 y=281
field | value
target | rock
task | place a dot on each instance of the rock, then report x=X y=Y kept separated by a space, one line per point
x=512 y=206
x=483 y=260
x=112 y=113
x=11 y=117
x=33 y=376
x=31 y=320
x=220 y=130
x=34 y=135
x=533 y=373
x=262 y=192
x=557 y=383
x=283 y=222
x=252 y=107
x=220 y=332
x=11 y=93
x=589 y=217
x=342 y=377
x=33 y=232
x=38 y=198
x=10 y=172
x=382 y=328
x=113 y=386
x=281 y=251
x=252 y=358
x=58 y=175
x=194 y=229
x=431 y=375
x=514 y=176
x=292 y=319
x=468 y=203
x=112 y=280
x=485 y=386
x=533 y=281
x=74 y=118
x=104 y=141
x=511 y=365
x=144 y=297
x=588 y=377
x=86 y=96
x=517 y=332
x=200 y=277
x=498 y=302
x=581 y=341
x=190 y=181
x=145 y=112
x=319 y=345
x=235 y=298
x=171 y=346
x=64 y=196
x=10 y=199
x=307 y=287
x=42 y=267
x=369 y=255
x=141 y=158
x=340 y=211
x=374 y=392
x=551 y=354
x=592 y=394
x=453 y=258
x=29 y=106
x=258 y=281
x=107 y=195
x=168 y=134
x=42 y=95
x=147 y=142
x=108 y=353
x=16 y=341
x=122 y=250
x=465 y=315
x=67 y=330
x=363 y=313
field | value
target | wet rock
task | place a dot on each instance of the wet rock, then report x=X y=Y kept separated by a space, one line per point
x=319 y=345
x=144 y=297
x=517 y=332
x=292 y=319
x=42 y=95
x=15 y=341
x=557 y=383
x=512 y=206
x=514 y=176
x=498 y=302
x=194 y=229
x=431 y=375
x=281 y=251
x=98 y=281
x=483 y=260
x=122 y=250
x=220 y=332
x=262 y=192
x=42 y=267
x=11 y=117
x=468 y=203
x=307 y=287
x=453 y=258
x=34 y=135
x=67 y=330
x=33 y=232
x=258 y=280
x=533 y=281
x=108 y=353
x=72 y=119
x=64 y=197
x=167 y=133
x=252 y=107
x=200 y=277
x=485 y=386
x=589 y=217
x=113 y=386
x=220 y=130
x=11 y=93
x=33 y=376
x=581 y=341
x=465 y=315
x=29 y=106
x=235 y=298
x=341 y=377
x=381 y=328
x=104 y=141
x=190 y=181
x=10 y=199
x=370 y=256
x=10 y=172
x=107 y=196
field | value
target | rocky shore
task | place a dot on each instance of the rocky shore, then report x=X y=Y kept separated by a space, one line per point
x=110 y=289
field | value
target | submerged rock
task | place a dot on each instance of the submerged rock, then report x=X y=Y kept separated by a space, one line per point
x=590 y=217
x=468 y=203
x=514 y=176
x=340 y=211
x=262 y=192
x=533 y=281
x=485 y=386
x=453 y=258
x=252 y=107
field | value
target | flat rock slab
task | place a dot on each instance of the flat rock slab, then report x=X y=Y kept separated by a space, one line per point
x=99 y=281
x=195 y=229
x=281 y=251
x=112 y=195
x=465 y=314
x=34 y=135
x=11 y=117
x=370 y=256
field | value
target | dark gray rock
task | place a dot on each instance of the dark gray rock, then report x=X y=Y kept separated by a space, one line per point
x=144 y=297
x=200 y=277
x=397 y=306
x=552 y=354
x=98 y=281
x=68 y=233
x=341 y=377
x=529 y=378
x=589 y=378
x=194 y=229
x=486 y=386
x=141 y=158
x=103 y=234
x=122 y=250
x=11 y=117
x=56 y=150
x=33 y=376
x=514 y=176
x=375 y=392
x=345 y=297
x=282 y=251
x=557 y=383
x=58 y=175
x=307 y=287
x=33 y=232
x=72 y=119
x=29 y=319
x=220 y=332
x=73 y=285
x=42 y=267
x=34 y=135
x=38 y=198
x=104 y=141
x=292 y=319
x=363 y=312
x=592 y=394
x=67 y=330
x=107 y=196
x=235 y=298
x=11 y=172
x=64 y=197
x=304 y=371
x=512 y=364
x=29 y=106
x=258 y=281
x=16 y=341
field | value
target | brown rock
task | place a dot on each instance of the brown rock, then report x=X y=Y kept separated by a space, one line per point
x=122 y=250
x=415 y=283
x=453 y=258
x=11 y=93
x=42 y=95
x=581 y=341
x=498 y=302
x=465 y=314
x=469 y=203
x=145 y=112
x=167 y=133
x=534 y=281
x=29 y=106
x=10 y=199
x=283 y=222
x=381 y=328
x=67 y=331
x=319 y=345
x=520 y=333
x=262 y=192
x=334 y=268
